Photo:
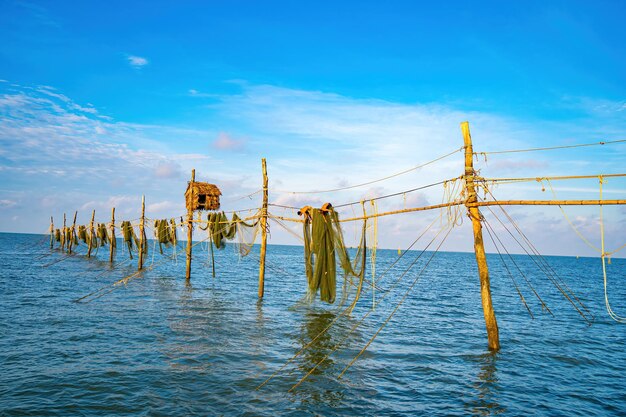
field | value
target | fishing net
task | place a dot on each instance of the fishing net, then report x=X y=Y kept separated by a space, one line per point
x=102 y=235
x=220 y=230
x=323 y=244
x=129 y=237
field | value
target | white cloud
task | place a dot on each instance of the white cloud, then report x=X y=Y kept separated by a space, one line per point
x=226 y=142
x=167 y=169
x=137 y=61
x=7 y=203
x=312 y=141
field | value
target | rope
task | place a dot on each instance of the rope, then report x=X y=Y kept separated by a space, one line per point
x=488 y=228
x=345 y=311
x=357 y=324
x=374 y=181
x=382 y=326
x=396 y=194
x=553 y=178
x=546 y=268
x=609 y=310
x=572 y=224
x=551 y=148
x=543 y=304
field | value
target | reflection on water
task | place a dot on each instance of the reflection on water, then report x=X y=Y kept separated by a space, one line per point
x=486 y=387
x=321 y=387
x=312 y=325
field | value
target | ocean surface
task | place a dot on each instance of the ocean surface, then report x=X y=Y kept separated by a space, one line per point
x=158 y=347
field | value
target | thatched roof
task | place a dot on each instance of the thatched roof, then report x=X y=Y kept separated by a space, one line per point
x=204 y=188
x=202 y=196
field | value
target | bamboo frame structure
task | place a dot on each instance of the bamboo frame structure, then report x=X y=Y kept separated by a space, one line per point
x=479 y=248
x=472 y=183
x=263 y=231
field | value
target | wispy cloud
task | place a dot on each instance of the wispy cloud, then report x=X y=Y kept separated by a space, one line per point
x=225 y=142
x=137 y=61
x=312 y=140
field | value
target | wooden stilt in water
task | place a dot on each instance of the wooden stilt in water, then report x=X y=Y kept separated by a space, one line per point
x=479 y=248
x=51 y=232
x=71 y=233
x=63 y=234
x=190 y=226
x=263 y=231
x=90 y=243
x=113 y=242
x=142 y=238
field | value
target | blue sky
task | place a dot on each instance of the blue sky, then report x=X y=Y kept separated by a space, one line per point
x=103 y=102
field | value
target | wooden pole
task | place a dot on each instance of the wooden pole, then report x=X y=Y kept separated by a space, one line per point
x=263 y=231
x=190 y=225
x=90 y=244
x=113 y=242
x=63 y=235
x=479 y=248
x=51 y=232
x=71 y=234
x=142 y=238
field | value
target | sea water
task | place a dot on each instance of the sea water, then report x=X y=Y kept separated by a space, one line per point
x=159 y=346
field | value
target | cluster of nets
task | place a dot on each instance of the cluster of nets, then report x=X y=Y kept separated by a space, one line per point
x=220 y=229
x=323 y=245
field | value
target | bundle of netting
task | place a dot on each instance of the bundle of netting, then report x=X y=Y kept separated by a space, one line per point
x=57 y=235
x=82 y=233
x=220 y=229
x=92 y=241
x=102 y=235
x=67 y=235
x=323 y=243
x=173 y=236
x=112 y=238
x=129 y=237
x=165 y=232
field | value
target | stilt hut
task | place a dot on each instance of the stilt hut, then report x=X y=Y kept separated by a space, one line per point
x=202 y=196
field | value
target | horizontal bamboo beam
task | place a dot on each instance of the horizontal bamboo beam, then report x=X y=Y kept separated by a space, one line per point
x=555 y=178
x=550 y=203
x=478 y=204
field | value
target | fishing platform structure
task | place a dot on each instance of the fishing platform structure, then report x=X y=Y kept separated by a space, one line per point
x=323 y=239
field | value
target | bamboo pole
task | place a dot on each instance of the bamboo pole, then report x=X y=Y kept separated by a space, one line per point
x=113 y=242
x=51 y=232
x=142 y=238
x=479 y=248
x=190 y=225
x=476 y=204
x=90 y=244
x=549 y=203
x=63 y=234
x=71 y=234
x=263 y=231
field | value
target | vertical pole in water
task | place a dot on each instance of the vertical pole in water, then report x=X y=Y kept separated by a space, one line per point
x=51 y=232
x=142 y=241
x=263 y=232
x=90 y=244
x=190 y=224
x=479 y=248
x=113 y=242
x=71 y=234
x=63 y=234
